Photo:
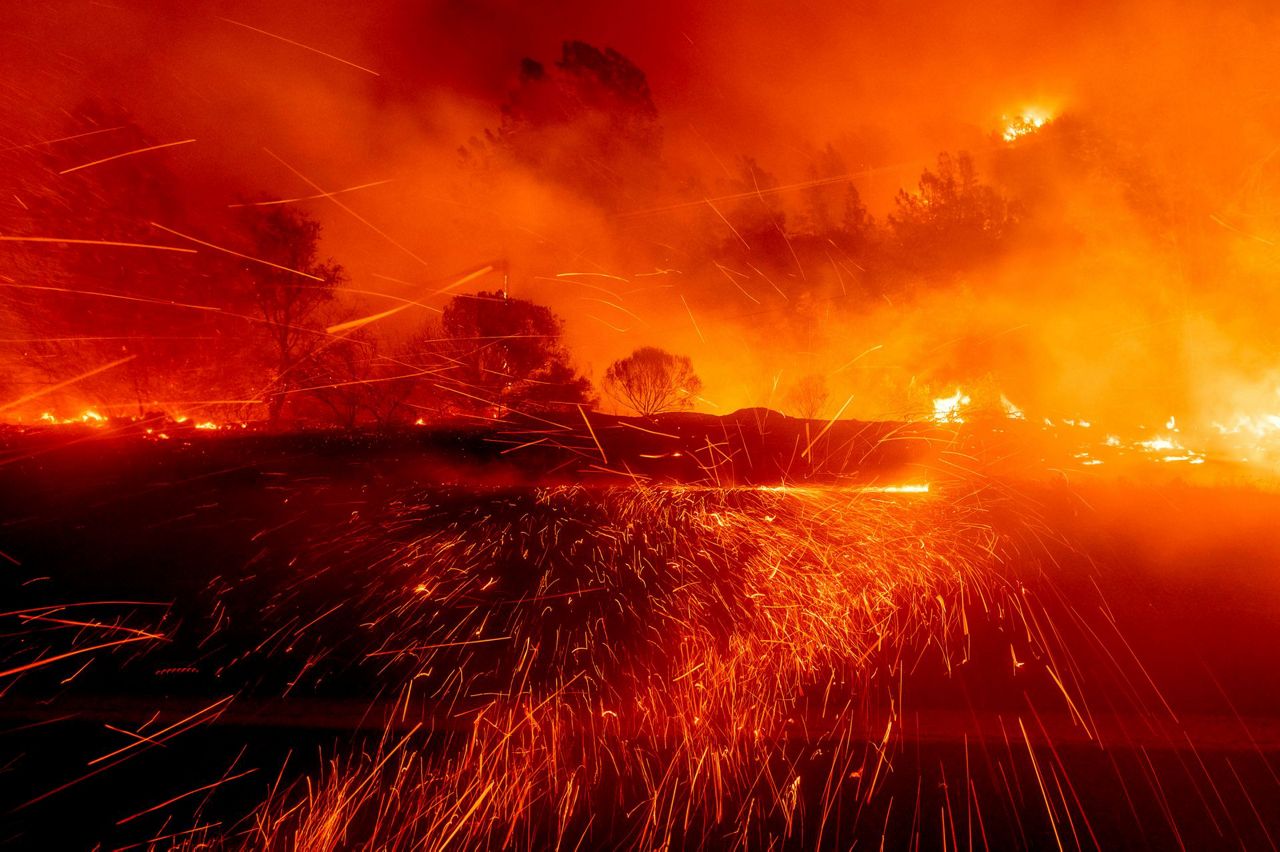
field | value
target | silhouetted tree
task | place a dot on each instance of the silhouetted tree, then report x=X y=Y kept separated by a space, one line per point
x=833 y=237
x=808 y=396
x=952 y=222
x=588 y=122
x=497 y=354
x=756 y=218
x=1072 y=158
x=651 y=380
x=355 y=384
x=287 y=283
x=833 y=209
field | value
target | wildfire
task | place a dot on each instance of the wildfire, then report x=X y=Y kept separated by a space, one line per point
x=814 y=594
x=952 y=409
x=92 y=417
x=947 y=409
x=88 y=416
x=922 y=488
x=1024 y=124
x=1259 y=426
x=674 y=608
x=1164 y=447
x=1242 y=438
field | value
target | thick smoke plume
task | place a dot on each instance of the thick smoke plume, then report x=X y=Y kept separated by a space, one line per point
x=737 y=186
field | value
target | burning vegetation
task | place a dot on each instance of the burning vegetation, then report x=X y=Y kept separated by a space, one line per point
x=637 y=428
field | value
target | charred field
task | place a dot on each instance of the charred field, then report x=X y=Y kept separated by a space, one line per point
x=327 y=640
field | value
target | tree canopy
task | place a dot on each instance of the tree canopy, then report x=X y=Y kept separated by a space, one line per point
x=952 y=222
x=497 y=353
x=288 y=283
x=588 y=121
x=651 y=380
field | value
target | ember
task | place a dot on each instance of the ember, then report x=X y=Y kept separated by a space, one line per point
x=688 y=426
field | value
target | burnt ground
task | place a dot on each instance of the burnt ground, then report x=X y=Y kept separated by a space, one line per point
x=260 y=559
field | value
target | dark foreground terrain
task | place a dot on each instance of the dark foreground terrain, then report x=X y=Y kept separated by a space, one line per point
x=324 y=642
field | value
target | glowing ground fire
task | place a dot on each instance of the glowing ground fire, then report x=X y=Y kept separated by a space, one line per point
x=445 y=426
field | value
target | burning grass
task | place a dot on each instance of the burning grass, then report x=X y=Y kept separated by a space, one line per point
x=676 y=667
x=660 y=651
x=619 y=665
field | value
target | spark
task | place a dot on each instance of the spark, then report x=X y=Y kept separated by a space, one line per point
x=80 y=242
x=301 y=45
x=278 y=201
x=64 y=138
x=587 y=420
x=592 y=275
x=729 y=224
x=67 y=383
x=896 y=489
x=347 y=209
x=693 y=321
x=26 y=667
x=125 y=154
x=178 y=798
x=233 y=253
x=825 y=429
x=858 y=358
x=212 y=710
x=67 y=622
x=351 y=325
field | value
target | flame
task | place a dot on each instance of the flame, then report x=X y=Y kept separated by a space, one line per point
x=1257 y=425
x=1243 y=437
x=922 y=488
x=947 y=409
x=1165 y=447
x=1011 y=411
x=1160 y=444
x=92 y=417
x=1025 y=123
x=88 y=416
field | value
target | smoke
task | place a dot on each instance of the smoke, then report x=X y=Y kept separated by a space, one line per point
x=1137 y=287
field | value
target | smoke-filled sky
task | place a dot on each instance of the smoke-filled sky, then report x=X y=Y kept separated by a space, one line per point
x=1100 y=312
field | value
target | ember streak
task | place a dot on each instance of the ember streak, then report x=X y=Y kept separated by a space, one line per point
x=639 y=426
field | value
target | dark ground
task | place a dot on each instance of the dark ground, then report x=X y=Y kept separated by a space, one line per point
x=259 y=557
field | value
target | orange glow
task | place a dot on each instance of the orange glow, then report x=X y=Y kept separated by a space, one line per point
x=88 y=416
x=1025 y=123
x=948 y=409
x=643 y=418
x=922 y=488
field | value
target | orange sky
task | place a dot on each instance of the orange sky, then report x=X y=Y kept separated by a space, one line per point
x=1189 y=87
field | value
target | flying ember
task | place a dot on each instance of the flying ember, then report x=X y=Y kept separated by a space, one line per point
x=445 y=426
